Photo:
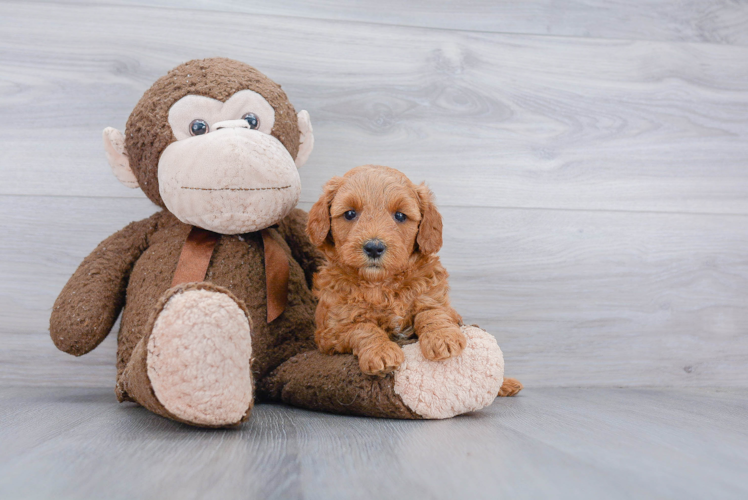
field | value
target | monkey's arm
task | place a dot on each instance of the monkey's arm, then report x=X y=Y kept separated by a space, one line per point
x=293 y=230
x=90 y=302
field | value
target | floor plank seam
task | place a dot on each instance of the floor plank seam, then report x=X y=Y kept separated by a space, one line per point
x=441 y=205
x=402 y=26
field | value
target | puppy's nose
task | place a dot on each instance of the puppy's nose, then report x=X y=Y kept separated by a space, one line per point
x=374 y=248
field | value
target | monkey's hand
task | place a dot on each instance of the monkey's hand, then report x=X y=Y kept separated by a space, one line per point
x=90 y=302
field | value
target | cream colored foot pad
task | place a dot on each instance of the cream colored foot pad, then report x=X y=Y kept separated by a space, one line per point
x=443 y=389
x=198 y=358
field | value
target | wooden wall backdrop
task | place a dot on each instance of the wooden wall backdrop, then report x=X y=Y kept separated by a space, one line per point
x=590 y=159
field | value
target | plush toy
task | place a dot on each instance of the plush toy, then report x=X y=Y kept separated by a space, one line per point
x=215 y=288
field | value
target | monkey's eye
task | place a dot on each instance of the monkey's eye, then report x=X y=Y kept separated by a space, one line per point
x=252 y=119
x=198 y=127
x=400 y=217
x=350 y=215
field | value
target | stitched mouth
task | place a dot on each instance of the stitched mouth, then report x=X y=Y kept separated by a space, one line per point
x=237 y=189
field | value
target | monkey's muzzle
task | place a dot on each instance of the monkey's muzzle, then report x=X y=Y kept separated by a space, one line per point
x=232 y=180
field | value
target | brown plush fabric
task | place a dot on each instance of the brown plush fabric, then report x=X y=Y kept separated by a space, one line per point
x=133 y=271
x=134 y=380
x=238 y=265
x=334 y=384
x=148 y=131
x=198 y=249
x=90 y=302
x=145 y=253
x=302 y=376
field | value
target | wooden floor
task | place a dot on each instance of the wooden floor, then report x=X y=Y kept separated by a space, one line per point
x=548 y=443
x=590 y=159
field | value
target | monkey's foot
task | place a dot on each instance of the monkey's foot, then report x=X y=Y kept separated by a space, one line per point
x=194 y=367
x=464 y=383
x=198 y=357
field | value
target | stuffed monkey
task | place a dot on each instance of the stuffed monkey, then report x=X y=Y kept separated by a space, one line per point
x=214 y=289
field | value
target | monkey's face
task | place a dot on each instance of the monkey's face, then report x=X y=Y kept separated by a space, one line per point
x=225 y=172
x=217 y=143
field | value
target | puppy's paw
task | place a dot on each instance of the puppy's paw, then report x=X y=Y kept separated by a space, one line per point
x=380 y=359
x=442 y=344
x=510 y=387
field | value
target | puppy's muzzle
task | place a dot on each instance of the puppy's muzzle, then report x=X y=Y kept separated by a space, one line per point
x=374 y=249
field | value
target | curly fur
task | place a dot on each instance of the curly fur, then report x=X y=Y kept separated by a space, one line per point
x=366 y=304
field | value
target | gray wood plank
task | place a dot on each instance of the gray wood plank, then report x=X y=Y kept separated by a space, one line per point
x=546 y=443
x=574 y=297
x=714 y=21
x=488 y=119
x=30 y=417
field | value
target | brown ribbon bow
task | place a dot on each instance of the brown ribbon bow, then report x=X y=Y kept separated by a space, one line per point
x=198 y=249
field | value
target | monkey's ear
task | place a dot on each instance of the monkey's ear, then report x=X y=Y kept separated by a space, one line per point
x=429 y=237
x=114 y=146
x=306 y=138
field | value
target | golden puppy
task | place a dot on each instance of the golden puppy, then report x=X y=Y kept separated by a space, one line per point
x=382 y=280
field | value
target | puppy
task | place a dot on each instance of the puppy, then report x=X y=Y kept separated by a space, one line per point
x=382 y=281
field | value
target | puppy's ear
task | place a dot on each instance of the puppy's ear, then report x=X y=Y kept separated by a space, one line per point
x=318 y=225
x=429 y=237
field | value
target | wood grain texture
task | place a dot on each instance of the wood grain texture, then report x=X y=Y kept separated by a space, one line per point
x=594 y=191
x=546 y=443
x=487 y=119
x=574 y=298
x=720 y=21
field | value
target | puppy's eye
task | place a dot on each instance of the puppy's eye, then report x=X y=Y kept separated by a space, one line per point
x=400 y=217
x=198 y=127
x=252 y=120
x=350 y=215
